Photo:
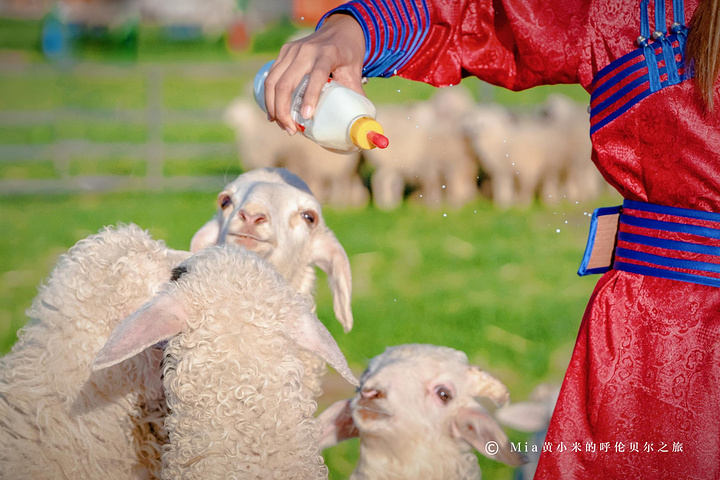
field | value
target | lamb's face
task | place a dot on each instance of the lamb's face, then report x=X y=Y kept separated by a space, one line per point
x=270 y=212
x=414 y=397
x=412 y=389
x=273 y=213
x=272 y=219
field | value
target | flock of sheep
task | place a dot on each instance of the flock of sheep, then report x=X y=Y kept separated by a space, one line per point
x=445 y=151
x=139 y=361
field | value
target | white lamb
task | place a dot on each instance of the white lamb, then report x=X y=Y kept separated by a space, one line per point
x=60 y=419
x=273 y=213
x=418 y=416
x=232 y=375
x=333 y=178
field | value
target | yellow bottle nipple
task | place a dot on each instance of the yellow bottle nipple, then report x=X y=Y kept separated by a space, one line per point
x=367 y=133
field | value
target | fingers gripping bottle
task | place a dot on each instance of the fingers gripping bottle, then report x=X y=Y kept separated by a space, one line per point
x=343 y=122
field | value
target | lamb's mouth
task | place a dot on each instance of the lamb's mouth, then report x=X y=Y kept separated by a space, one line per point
x=247 y=240
x=367 y=412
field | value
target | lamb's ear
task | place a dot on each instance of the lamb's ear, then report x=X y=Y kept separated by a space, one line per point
x=523 y=416
x=337 y=424
x=206 y=236
x=309 y=333
x=330 y=256
x=159 y=319
x=478 y=428
x=485 y=385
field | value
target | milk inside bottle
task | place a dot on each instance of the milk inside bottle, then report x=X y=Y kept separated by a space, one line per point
x=344 y=121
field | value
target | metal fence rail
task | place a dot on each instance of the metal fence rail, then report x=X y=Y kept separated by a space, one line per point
x=154 y=150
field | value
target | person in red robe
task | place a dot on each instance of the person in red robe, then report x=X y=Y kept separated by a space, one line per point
x=641 y=396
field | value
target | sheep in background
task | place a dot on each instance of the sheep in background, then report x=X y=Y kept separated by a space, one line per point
x=448 y=146
x=417 y=416
x=59 y=418
x=515 y=152
x=581 y=180
x=273 y=213
x=532 y=416
x=545 y=153
x=332 y=177
x=232 y=375
x=402 y=163
x=427 y=152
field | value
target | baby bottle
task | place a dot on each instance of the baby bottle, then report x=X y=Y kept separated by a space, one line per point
x=343 y=122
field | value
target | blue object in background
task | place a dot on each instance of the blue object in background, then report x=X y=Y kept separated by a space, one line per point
x=55 y=37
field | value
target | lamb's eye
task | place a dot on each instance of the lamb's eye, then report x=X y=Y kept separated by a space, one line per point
x=443 y=393
x=224 y=201
x=309 y=216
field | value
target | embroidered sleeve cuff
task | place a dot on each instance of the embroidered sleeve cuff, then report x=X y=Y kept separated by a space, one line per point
x=394 y=31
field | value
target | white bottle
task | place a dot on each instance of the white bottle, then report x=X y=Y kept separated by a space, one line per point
x=343 y=122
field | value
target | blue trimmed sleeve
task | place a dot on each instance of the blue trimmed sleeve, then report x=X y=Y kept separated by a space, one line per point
x=394 y=31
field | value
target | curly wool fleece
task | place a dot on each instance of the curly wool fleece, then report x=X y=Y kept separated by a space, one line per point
x=59 y=418
x=232 y=372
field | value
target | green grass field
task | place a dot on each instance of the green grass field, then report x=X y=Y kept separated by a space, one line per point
x=500 y=286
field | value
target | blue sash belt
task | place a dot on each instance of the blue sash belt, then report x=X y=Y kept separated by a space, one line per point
x=667 y=242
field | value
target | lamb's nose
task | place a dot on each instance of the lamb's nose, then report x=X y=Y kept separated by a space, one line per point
x=371 y=393
x=252 y=219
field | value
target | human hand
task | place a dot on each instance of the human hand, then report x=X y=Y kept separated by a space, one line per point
x=337 y=48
